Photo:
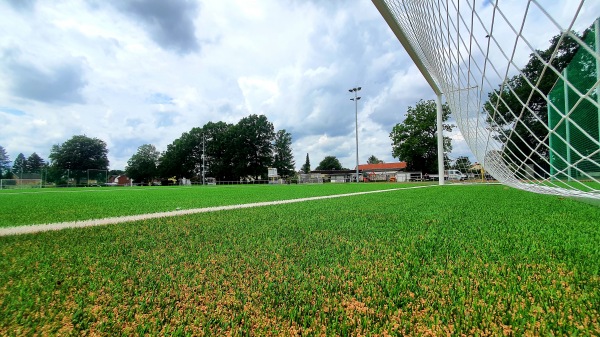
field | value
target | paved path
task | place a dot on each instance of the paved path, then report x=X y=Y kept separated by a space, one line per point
x=115 y=220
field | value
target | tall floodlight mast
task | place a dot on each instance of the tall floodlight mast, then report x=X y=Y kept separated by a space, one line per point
x=203 y=157
x=522 y=85
x=355 y=99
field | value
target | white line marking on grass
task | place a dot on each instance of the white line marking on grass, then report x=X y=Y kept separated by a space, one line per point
x=94 y=190
x=116 y=220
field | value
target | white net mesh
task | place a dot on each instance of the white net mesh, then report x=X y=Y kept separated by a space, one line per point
x=20 y=183
x=521 y=81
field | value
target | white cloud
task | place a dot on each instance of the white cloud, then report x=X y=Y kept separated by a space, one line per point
x=39 y=122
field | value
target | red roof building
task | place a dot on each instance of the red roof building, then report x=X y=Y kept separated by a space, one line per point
x=400 y=166
x=382 y=171
x=119 y=180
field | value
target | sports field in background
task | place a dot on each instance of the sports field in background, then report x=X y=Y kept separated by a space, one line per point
x=476 y=260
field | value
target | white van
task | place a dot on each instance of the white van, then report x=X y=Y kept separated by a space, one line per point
x=454 y=175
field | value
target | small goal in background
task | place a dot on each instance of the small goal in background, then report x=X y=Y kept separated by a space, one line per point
x=20 y=183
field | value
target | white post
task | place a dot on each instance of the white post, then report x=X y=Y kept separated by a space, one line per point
x=550 y=137
x=440 y=140
x=356 y=133
x=567 y=125
x=597 y=42
x=355 y=99
x=203 y=156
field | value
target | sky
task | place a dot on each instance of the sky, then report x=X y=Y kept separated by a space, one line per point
x=137 y=72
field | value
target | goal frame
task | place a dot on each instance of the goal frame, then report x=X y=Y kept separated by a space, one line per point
x=20 y=183
x=465 y=69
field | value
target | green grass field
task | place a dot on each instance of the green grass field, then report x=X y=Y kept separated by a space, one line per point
x=586 y=186
x=473 y=260
x=39 y=206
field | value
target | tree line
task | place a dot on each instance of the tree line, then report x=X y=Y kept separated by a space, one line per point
x=33 y=163
x=220 y=150
x=230 y=152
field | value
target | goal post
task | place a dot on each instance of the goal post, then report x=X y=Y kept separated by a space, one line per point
x=97 y=177
x=532 y=125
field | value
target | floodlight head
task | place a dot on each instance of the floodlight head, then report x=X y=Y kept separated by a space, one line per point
x=350 y=90
x=358 y=88
x=357 y=98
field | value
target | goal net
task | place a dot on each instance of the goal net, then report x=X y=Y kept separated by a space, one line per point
x=95 y=177
x=312 y=178
x=522 y=82
x=20 y=183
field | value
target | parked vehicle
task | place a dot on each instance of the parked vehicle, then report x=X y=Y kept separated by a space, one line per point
x=455 y=175
x=450 y=175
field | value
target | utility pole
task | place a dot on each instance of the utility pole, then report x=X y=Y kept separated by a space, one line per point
x=203 y=156
x=355 y=99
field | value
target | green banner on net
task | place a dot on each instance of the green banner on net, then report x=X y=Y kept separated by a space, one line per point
x=574 y=116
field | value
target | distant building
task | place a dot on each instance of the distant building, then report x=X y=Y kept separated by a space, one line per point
x=476 y=167
x=119 y=180
x=367 y=172
x=381 y=171
x=334 y=176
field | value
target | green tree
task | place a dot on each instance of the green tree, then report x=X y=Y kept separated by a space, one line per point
x=330 y=163
x=20 y=165
x=143 y=165
x=253 y=146
x=219 y=150
x=306 y=166
x=374 y=160
x=183 y=157
x=462 y=163
x=283 y=159
x=4 y=163
x=504 y=105
x=35 y=163
x=415 y=140
x=171 y=160
x=56 y=175
x=79 y=154
x=231 y=151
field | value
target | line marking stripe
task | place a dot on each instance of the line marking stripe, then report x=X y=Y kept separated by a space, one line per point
x=29 y=229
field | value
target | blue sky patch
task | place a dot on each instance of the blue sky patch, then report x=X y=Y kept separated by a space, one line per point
x=11 y=111
x=160 y=98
